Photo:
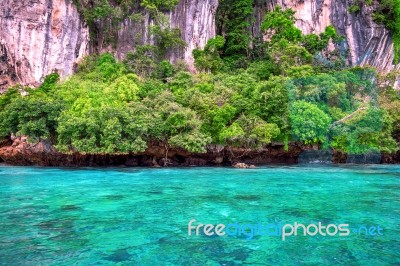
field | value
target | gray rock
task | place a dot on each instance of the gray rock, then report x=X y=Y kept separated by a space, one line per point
x=241 y=165
x=368 y=42
x=38 y=37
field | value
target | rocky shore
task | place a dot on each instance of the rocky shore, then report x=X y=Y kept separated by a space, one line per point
x=20 y=152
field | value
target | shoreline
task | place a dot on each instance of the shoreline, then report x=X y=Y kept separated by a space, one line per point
x=21 y=153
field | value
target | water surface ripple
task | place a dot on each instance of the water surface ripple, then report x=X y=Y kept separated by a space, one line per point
x=138 y=216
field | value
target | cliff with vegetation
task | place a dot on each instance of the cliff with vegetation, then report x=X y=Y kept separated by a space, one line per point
x=368 y=27
x=198 y=82
x=40 y=37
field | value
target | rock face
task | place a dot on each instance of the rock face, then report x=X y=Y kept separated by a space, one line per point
x=19 y=151
x=194 y=18
x=367 y=42
x=38 y=37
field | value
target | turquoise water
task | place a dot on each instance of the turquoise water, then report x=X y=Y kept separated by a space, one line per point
x=137 y=216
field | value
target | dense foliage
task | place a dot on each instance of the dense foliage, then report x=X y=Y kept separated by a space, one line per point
x=293 y=90
x=234 y=20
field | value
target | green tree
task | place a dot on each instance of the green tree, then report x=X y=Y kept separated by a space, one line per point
x=309 y=123
x=102 y=130
x=271 y=102
x=142 y=61
x=49 y=82
x=387 y=12
x=31 y=116
x=367 y=131
x=174 y=124
x=234 y=18
x=232 y=134
x=280 y=24
x=315 y=43
x=209 y=59
x=159 y=4
x=218 y=118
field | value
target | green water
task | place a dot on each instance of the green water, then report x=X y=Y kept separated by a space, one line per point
x=136 y=216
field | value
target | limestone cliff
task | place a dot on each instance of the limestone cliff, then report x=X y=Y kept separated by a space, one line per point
x=194 y=18
x=38 y=37
x=367 y=42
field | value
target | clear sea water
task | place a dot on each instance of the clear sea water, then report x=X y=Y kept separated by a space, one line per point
x=138 y=216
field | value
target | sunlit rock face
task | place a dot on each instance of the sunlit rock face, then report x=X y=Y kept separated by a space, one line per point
x=194 y=18
x=38 y=37
x=367 y=42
